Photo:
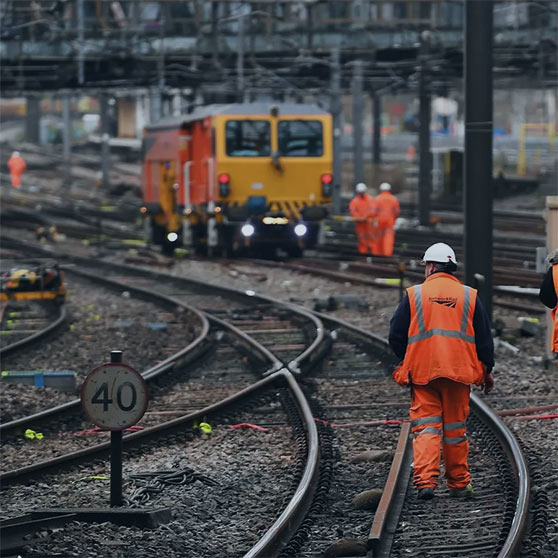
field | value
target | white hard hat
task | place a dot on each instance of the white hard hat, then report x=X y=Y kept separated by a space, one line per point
x=15 y=154
x=361 y=188
x=385 y=187
x=439 y=252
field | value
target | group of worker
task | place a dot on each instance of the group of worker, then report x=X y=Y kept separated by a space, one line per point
x=441 y=332
x=374 y=219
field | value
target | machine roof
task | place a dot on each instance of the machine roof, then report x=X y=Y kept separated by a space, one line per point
x=245 y=109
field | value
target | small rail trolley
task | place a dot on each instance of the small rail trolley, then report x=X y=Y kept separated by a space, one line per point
x=33 y=282
x=238 y=178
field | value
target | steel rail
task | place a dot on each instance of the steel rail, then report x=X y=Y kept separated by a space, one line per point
x=194 y=349
x=317 y=347
x=512 y=545
x=280 y=532
x=393 y=495
x=509 y=445
x=294 y=512
x=305 y=359
x=83 y=455
x=38 y=335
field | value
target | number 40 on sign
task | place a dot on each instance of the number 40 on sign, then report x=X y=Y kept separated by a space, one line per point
x=114 y=396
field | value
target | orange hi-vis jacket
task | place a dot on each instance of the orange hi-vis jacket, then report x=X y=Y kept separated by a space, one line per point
x=387 y=209
x=362 y=207
x=554 y=313
x=441 y=341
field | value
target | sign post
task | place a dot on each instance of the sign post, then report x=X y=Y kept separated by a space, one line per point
x=114 y=397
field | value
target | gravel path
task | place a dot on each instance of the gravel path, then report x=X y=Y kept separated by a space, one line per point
x=208 y=520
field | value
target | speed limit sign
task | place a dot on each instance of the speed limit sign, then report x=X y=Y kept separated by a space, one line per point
x=114 y=396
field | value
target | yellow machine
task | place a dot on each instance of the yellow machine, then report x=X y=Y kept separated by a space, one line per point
x=226 y=177
x=44 y=282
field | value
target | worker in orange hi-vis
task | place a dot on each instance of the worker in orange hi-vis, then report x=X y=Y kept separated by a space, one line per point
x=362 y=209
x=411 y=153
x=442 y=334
x=17 y=165
x=387 y=211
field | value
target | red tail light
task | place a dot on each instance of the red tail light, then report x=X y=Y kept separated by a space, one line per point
x=224 y=184
x=327 y=185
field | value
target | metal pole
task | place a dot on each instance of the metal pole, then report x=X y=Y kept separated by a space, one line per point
x=67 y=139
x=377 y=134
x=134 y=15
x=478 y=194
x=32 y=118
x=309 y=26
x=161 y=72
x=357 y=122
x=240 y=60
x=215 y=32
x=105 y=147
x=116 y=454
x=551 y=218
x=337 y=114
x=81 y=53
x=425 y=159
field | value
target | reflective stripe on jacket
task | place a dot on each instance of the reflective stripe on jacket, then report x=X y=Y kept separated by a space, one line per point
x=441 y=334
x=554 y=313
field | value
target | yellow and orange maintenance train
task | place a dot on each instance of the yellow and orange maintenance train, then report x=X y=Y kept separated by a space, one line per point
x=225 y=178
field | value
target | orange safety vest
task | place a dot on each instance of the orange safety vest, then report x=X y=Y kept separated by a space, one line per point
x=16 y=164
x=554 y=312
x=441 y=335
x=387 y=209
x=362 y=207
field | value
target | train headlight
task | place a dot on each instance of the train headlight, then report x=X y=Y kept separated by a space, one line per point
x=300 y=229
x=172 y=237
x=327 y=185
x=247 y=230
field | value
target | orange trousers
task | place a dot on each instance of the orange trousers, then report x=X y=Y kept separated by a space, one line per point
x=16 y=179
x=365 y=236
x=385 y=238
x=439 y=412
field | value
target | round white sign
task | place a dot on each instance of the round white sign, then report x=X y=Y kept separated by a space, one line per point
x=114 y=396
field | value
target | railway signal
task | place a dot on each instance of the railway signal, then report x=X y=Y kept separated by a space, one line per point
x=114 y=397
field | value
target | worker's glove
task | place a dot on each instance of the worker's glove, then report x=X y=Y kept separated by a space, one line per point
x=488 y=385
x=400 y=375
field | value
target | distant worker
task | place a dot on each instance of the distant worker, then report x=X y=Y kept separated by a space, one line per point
x=17 y=166
x=411 y=153
x=441 y=331
x=548 y=295
x=387 y=211
x=363 y=209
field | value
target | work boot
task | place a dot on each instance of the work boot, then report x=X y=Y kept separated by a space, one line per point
x=466 y=492
x=426 y=494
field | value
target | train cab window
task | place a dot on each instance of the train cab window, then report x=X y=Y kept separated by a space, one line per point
x=300 y=138
x=248 y=138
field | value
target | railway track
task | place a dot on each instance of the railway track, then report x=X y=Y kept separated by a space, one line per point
x=300 y=352
x=24 y=323
x=384 y=275
x=514 y=258
x=271 y=542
